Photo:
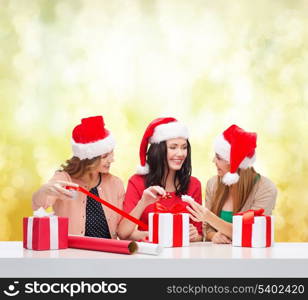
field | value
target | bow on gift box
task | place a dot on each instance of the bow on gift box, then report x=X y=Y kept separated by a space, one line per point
x=248 y=221
x=175 y=209
x=114 y=208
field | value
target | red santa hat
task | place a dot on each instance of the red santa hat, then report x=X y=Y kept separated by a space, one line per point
x=91 y=139
x=161 y=129
x=236 y=146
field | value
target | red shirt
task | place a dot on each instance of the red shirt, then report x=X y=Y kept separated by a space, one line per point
x=136 y=186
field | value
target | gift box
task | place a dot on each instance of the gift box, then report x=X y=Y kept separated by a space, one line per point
x=45 y=232
x=253 y=229
x=169 y=227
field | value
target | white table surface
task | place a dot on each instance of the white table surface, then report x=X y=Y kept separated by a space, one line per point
x=197 y=260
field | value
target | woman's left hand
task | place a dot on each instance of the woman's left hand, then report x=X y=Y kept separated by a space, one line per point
x=193 y=233
x=198 y=213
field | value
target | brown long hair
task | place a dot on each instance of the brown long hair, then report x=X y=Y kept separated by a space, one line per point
x=239 y=191
x=78 y=168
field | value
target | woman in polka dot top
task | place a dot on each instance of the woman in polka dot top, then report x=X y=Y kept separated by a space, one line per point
x=92 y=146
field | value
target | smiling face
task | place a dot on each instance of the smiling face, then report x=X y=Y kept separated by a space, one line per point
x=106 y=160
x=222 y=165
x=176 y=153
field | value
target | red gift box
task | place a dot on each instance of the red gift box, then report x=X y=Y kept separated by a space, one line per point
x=45 y=233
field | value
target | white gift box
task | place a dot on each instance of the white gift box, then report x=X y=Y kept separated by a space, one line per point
x=169 y=230
x=258 y=234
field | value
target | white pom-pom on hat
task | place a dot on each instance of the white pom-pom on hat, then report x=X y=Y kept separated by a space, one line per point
x=230 y=178
x=143 y=170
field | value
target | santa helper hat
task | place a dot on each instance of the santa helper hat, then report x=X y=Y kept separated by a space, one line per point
x=159 y=130
x=236 y=146
x=91 y=139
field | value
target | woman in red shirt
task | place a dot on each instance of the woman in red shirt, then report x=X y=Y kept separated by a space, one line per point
x=164 y=175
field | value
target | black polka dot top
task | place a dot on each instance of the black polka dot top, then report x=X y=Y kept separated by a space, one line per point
x=96 y=223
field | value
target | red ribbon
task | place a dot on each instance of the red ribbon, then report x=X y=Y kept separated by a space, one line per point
x=114 y=208
x=177 y=230
x=176 y=211
x=155 y=228
x=248 y=221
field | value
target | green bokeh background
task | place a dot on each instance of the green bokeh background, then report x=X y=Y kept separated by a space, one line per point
x=207 y=63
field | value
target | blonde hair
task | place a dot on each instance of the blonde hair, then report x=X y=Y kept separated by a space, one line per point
x=239 y=191
x=78 y=168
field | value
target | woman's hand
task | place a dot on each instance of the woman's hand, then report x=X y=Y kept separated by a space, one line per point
x=151 y=194
x=138 y=235
x=57 y=189
x=198 y=213
x=220 y=238
x=193 y=233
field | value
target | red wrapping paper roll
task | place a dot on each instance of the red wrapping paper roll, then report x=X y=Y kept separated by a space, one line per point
x=101 y=244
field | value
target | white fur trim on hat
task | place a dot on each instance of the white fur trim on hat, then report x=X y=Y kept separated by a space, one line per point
x=169 y=131
x=230 y=178
x=143 y=170
x=91 y=150
x=222 y=147
x=248 y=162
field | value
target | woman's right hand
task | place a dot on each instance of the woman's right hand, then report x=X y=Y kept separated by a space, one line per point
x=57 y=189
x=220 y=238
x=151 y=194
